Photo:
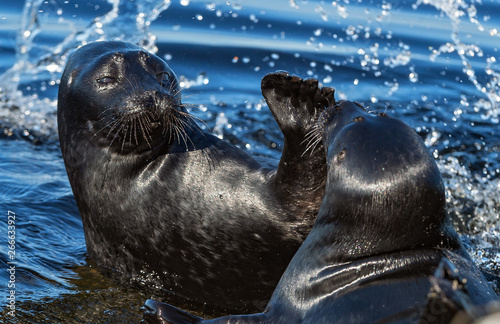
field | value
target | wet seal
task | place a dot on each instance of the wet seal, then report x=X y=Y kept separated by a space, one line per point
x=171 y=205
x=382 y=248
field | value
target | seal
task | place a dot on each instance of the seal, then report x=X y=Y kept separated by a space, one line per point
x=168 y=205
x=382 y=248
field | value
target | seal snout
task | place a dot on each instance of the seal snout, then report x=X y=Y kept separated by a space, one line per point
x=152 y=102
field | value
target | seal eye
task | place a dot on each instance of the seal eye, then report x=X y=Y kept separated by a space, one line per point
x=163 y=78
x=106 y=80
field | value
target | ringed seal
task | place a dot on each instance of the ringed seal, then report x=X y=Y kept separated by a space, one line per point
x=382 y=249
x=171 y=205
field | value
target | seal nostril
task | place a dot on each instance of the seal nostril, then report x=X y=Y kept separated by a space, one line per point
x=382 y=114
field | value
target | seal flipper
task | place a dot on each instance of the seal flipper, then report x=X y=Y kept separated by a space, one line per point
x=296 y=105
x=161 y=313
x=447 y=297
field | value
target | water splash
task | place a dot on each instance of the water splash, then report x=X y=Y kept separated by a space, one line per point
x=28 y=88
x=455 y=10
x=474 y=199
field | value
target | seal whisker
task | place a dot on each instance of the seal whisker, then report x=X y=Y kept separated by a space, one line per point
x=181 y=126
x=104 y=111
x=125 y=135
x=180 y=98
x=179 y=134
x=170 y=130
x=186 y=124
x=132 y=129
x=117 y=128
x=175 y=88
x=105 y=126
x=144 y=131
x=194 y=125
x=135 y=132
x=312 y=138
x=180 y=130
x=318 y=141
x=117 y=132
x=312 y=144
x=148 y=121
x=113 y=121
x=113 y=124
x=172 y=119
x=166 y=123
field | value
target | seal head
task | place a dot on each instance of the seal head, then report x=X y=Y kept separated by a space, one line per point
x=132 y=99
x=385 y=192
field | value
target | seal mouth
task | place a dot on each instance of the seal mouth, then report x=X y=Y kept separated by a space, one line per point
x=147 y=120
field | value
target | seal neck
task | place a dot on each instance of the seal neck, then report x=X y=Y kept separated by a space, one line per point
x=352 y=226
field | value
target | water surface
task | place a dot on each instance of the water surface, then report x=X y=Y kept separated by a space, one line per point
x=432 y=63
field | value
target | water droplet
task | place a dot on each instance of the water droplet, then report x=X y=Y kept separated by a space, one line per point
x=413 y=77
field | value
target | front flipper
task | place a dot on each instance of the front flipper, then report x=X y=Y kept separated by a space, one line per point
x=161 y=313
x=296 y=105
x=448 y=296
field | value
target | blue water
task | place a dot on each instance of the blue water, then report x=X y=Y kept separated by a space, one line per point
x=433 y=63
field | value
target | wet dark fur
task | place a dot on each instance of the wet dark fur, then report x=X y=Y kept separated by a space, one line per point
x=171 y=206
x=382 y=249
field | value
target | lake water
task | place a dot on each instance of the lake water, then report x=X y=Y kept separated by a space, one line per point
x=432 y=63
